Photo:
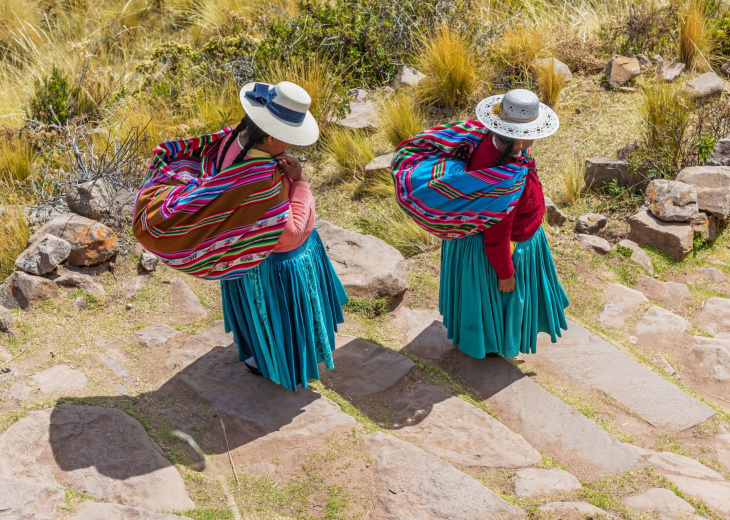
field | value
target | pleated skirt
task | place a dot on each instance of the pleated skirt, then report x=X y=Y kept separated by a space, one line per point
x=479 y=318
x=285 y=313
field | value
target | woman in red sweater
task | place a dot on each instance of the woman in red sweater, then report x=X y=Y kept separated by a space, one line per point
x=499 y=288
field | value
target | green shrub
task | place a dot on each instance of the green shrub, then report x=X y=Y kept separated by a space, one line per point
x=54 y=98
x=645 y=30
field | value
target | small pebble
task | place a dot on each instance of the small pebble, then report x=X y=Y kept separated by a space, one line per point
x=633 y=340
x=129 y=306
x=6 y=370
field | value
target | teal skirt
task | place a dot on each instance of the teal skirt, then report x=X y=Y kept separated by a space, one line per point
x=479 y=318
x=285 y=313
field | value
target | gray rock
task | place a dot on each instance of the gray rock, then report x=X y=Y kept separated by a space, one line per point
x=19 y=391
x=670 y=294
x=93 y=199
x=458 y=432
x=622 y=302
x=672 y=201
x=562 y=71
x=185 y=299
x=657 y=59
x=24 y=500
x=589 y=362
x=367 y=266
x=593 y=243
x=644 y=61
x=102 y=452
x=407 y=77
x=555 y=217
x=713 y=188
x=669 y=71
x=673 y=238
x=363 y=115
x=679 y=464
x=379 y=163
x=708 y=85
x=81 y=303
x=7 y=321
x=359 y=94
x=709 y=358
x=600 y=171
x=575 y=510
x=534 y=482
x=99 y=511
x=714 y=318
x=661 y=321
x=154 y=335
x=712 y=273
x=200 y=344
x=721 y=153
x=410 y=484
x=660 y=501
x=60 y=378
x=83 y=282
x=44 y=255
x=662 y=363
x=362 y=368
x=621 y=69
x=725 y=69
x=148 y=261
x=589 y=223
x=26 y=290
x=706 y=226
x=424 y=333
x=638 y=255
x=91 y=242
x=133 y=286
x=6 y=294
x=115 y=366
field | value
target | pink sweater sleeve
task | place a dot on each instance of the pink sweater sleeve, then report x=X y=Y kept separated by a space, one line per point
x=300 y=223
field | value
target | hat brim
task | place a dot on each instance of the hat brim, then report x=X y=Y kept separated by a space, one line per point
x=297 y=134
x=546 y=124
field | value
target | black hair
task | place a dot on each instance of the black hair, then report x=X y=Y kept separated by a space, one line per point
x=254 y=136
x=507 y=153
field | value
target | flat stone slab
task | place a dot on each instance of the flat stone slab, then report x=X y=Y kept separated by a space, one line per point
x=708 y=358
x=671 y=295
x=133 y=286
x=200 y=344
x=574 y=510
x=661 y=321
x=102 y=452
x=423 y=332
x=25 y=500
x=362 y=368
x=622 y=302
x=115 y=366
x=434 y=420
x=535 y=482
x=546 y=422
x=184 y=299
x=154 y=335
x=410 y=484
x=588 y=361
x=61 y=378
x=19 y=391
x=661 y=501
x=714 y=317
x=100 y=511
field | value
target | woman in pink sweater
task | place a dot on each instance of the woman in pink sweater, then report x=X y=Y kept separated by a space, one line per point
x=284 y=312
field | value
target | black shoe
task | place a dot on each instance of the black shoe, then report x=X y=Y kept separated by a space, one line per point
x=492 y=354
x=255 y=371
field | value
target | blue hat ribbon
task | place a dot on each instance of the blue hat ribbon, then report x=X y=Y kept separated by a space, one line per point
x=264 y=96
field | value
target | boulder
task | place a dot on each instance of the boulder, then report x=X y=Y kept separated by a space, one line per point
x=669 y=71
x=644 y=61
x=675 y=239
x=44 y=255
x=22 y=290
x=555 y=217
x=148 y=261
x=362 y=115
x=657 y=59
x=535 y=482
x=671 y=295
x=712 y=273
x=407 y=77
x=6 y=321
x=91 y=242
x=661 y=321
x=61 y=378
x=621 y=69
x=602 y=170
x=83 y=282
x=25 y=500
x=708 y=85
x=92 y=199
x=562 y=71
x=660 y=501
x=589 y=223
x=709 y=358
x=721 y=153
x=713 y=188
x=672 y=201
x=100 y=511
x=714 y=318
x=622 y=302
x=638 y=255
x=154 y=335
x=593 y=243
x=185 y=299
x=379 y=163
x=706 y=226
x=725 y=69
x=367 y=266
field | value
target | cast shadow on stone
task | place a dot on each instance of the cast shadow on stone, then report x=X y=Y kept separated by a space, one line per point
x=251 y=407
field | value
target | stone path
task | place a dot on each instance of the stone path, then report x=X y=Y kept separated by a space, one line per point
x=590 y=362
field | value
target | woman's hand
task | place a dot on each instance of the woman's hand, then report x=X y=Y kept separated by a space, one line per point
x=291 y=166
x=507 y=285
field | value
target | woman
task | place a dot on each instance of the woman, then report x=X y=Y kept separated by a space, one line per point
x=252 y=227
x=477 y=187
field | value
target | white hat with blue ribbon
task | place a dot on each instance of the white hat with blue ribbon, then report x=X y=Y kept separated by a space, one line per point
x=282 y=111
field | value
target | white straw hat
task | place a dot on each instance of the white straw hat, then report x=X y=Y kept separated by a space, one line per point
x=518 y=114
x=282 y=111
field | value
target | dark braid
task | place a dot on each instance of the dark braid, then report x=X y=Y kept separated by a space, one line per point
x=255 y=136
x=507 y=154
x=234 y=135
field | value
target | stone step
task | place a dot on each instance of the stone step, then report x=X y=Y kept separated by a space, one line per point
x=584 y=359
x=426 y=415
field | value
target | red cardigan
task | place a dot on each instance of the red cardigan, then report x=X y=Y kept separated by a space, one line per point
x=521 y=223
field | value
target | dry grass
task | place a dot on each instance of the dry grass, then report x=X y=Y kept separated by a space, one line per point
x=517 y=48
x=14 y=234
x=572 y=181
x=352 y=150
x=16 y=156
x=20 y=22
x=550 y=82
x=447 y=60
x=401 y=118
x=694 y=36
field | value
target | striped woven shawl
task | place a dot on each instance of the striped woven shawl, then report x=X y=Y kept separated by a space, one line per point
x=435 y=190
x=209 y=224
